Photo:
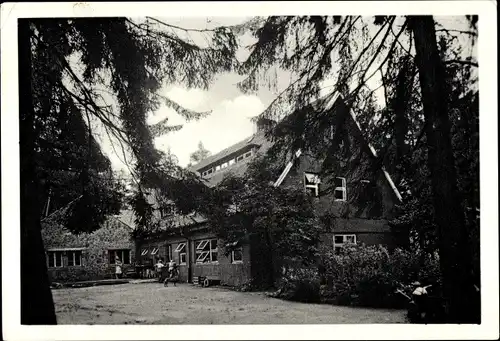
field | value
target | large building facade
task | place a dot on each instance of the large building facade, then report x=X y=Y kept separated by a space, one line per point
x=356 y=204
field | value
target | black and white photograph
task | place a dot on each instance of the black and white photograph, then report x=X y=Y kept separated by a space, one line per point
x=194 y=164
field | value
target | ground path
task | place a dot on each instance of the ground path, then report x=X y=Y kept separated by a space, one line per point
x=151 y=303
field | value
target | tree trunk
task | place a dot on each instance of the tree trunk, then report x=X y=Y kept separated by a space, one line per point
x=37 y=306
x=455 y=257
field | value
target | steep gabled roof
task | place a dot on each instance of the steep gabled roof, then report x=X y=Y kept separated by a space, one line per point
x=332 y=101
x=126 y=217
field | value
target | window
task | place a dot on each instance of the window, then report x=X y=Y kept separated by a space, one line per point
x=339 y=240
x=206 y=251
x=237 y=255
x=217 y=168
x=144 y=252
x=181 y=249
x=122 y=254
x=224 y=165
x=312 y=182
x=340 y=192
x=55 y=259
x=239 y=158
x=155 y=251
x=248 y=154
x=230 y=162
x=74 y=258
x=166 y=211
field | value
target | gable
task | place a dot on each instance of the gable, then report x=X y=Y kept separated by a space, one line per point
x=358 y=170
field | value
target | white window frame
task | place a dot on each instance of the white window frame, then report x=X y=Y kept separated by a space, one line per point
x=314 y=186
x=121 y=253
x=182 y=255
x=199 y=254
x=73 y=252
x=155 y=250
x=231 y=162
x=233 y=261
x=240 y=158
x=344 y=240
x=248 y=154
x=202 y=256
x=217 y=168
x=181 y=249
x=202 y=244
x=54 y=253
x=342 y=188
x=144 y=252
x=224 y=165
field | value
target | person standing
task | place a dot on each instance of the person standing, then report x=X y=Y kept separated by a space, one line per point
x=118 y=268
x=171 y=266
x=159 y=267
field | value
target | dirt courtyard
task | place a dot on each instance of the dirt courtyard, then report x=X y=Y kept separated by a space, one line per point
x=151 y=303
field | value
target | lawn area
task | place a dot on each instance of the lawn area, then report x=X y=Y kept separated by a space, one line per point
x=151 y=303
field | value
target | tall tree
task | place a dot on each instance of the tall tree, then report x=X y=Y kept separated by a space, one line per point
x=456 y=258
x=281 y=224
x=200 y=154
x=67 y=66
x=349 y=52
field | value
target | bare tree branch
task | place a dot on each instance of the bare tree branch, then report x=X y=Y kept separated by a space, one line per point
x=462 y=62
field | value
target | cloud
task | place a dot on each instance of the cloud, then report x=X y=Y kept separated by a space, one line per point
x=229 y=123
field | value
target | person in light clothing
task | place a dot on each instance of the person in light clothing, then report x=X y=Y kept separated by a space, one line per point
x=171 y=266
x=118 y=268
x=159 y=266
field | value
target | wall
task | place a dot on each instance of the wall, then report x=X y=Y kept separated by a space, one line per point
x=95 y=258
x=368 y=207
x=228 y=273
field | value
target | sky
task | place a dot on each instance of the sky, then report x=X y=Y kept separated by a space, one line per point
x=231 y=110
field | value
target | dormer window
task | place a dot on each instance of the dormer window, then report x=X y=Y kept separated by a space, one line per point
x=311 y=182
x=207 y=172
x=340 y=192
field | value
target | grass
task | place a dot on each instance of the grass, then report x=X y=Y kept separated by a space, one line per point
x=151 y=303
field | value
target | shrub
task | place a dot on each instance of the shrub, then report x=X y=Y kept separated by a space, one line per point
x=300 y=285
x=369 y=275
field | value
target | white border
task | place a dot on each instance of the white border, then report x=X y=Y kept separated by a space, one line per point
x=489 y=172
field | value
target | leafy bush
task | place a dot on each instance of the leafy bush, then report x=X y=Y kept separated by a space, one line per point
x=369 y=275
x=299 y=284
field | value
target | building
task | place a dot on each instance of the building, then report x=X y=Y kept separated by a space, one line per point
x=356 y=205
x=89 y=256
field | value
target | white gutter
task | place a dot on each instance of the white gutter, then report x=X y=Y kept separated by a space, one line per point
x=287 y=169
x=374 y=153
